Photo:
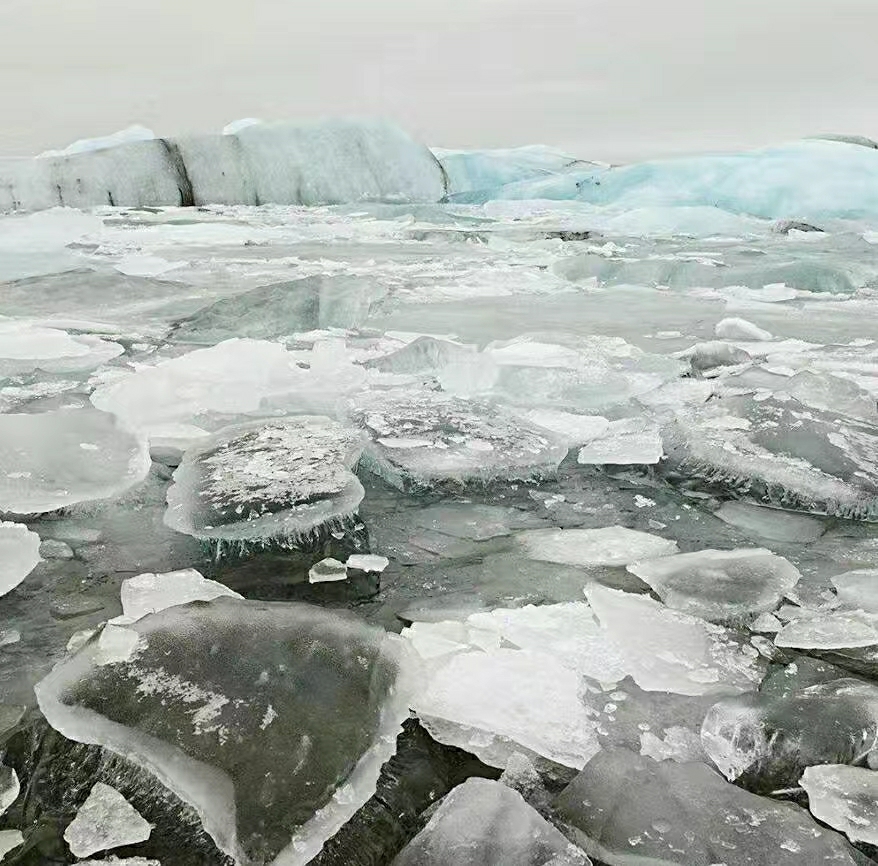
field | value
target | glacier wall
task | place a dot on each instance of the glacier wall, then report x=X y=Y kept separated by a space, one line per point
x=811 y=180
x=331 y=162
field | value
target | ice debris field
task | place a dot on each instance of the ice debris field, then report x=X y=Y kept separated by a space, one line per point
x=366 y=504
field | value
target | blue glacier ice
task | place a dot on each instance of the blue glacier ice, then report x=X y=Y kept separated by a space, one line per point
x=330 y=162
x=810 y=180
x=471 y=170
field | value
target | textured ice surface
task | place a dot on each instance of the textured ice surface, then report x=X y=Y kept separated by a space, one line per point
x=265 y=738
x=831 y=630
x=764 y=742
x=629 y=810
x=483 y=822
x=858 y=589
x=260 y=483
x=54 y=459
x=105 y=820
x=425 y=438
x=771 y=523
x=284 y=163
x=666 y=650
x=234 y=378
x=845 y=798
x=612 y=545
x=626 y=442
x=19 y=554
x=149 y=593
x=720 y=584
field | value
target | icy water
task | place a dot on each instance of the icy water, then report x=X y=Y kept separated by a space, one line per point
x=615 y=476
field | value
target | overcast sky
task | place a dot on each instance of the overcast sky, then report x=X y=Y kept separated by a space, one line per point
x=604 y=79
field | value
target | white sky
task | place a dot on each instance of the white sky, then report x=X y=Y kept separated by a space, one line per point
x=604 y=79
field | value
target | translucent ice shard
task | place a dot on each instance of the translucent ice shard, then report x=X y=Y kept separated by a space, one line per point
x=105 y=820
x=149 y=593
x=25 y=347
x=720 y=584
x=626 y=810
x=858 y=589
x=665 y=650
x=275 y=751
x=10 y=788
x=234 y=378
x=771 y=523
x=19 y=554
x=54 y=459
x=423 y=438
x=481 y=822
x=611 y=545
x=845 y=798
x=764 y=742
x=260 y=484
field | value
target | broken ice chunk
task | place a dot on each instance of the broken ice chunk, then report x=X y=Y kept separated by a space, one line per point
x=9 y=787
x=858 y=589
x=425 y=438
x=740 y=329
x=845 y=798
x=665 y=650
x=367 y=562
x=43 y=466
x=484 y=822
x=626 y=809
x=771 y=523
x=831 y=630
x=19 y=554
x=259 y=484
x=327 y=571
x=720 y=585
x=148 y=593
x=573 y=429
x=261 y=747
x=611 y=545
x=9 y=840
x=105 y=820
x=763 y=742
x=626 y=442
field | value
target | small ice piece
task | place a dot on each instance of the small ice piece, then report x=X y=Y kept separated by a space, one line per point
x=629 y=810
x=720 y=585
x=421 y=439
x=42 y=467
x=9 y=636
x=9 y=840
x=258 y=484
x=9 y=787
x=327 y=571
x=771 y=523
x=716 y=353
x=764 y=741
x=766 y=623
x=485 y=822
x=105 y=820
x=609 y=546
x=741 y=329
x=53 y=548
x=367 y=562
x=626 y=442
x=574 y=429
x=858 y=589
x=845 y=798
x=238 y=125
x=19 y=554
x=666 y=650
x=148 y=593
